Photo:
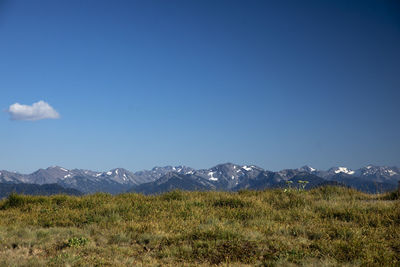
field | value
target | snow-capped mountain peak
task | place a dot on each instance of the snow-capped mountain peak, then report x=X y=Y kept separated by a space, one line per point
x=343 y=170
x=247 y=168
x=57 y=168
x=384 y=172
x=307 y=168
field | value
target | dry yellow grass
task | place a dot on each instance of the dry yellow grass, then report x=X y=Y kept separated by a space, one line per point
x=328 y=226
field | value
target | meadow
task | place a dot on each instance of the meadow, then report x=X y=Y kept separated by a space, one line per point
x=327 y=226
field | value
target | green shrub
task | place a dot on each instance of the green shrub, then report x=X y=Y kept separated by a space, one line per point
x=76 y=242
x=226 y=251
x=172 y=195
x=394 y=195
x=14 y=200
x=230 y=202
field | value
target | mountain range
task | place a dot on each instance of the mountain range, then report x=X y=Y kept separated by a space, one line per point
x=225 y=177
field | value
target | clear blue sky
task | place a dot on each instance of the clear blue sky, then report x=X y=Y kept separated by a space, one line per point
x=137 y=84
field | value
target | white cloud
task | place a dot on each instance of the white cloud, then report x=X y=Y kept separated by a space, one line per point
x=37 y=111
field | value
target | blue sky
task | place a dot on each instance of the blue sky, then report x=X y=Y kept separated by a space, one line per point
x=136 y=84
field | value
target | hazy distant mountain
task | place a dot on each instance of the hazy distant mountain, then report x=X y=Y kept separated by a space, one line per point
x=50 y=175
x=382 y=174
x=113 y=181
x=362 y=183
x=172 y=181
x=12 y=177
x=146 y=176
x=227 y=177
x=263 y=180
x=234 y=177
x=307 y=169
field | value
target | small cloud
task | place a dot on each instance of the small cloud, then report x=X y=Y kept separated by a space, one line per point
x=37 y=111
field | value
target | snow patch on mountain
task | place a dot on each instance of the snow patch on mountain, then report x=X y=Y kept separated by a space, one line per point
x=247 y=168
x=212 y=178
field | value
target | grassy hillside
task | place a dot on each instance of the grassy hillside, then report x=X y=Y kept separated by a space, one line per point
x=323 y=227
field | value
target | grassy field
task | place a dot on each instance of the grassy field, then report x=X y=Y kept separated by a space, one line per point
x=328 y=226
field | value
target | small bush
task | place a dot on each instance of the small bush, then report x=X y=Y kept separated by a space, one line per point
x=14 y=200
x=17 y=201
x=230 y=202
x=242 y=251
x=395 y=195
x=173 y=195
x=76 y=242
